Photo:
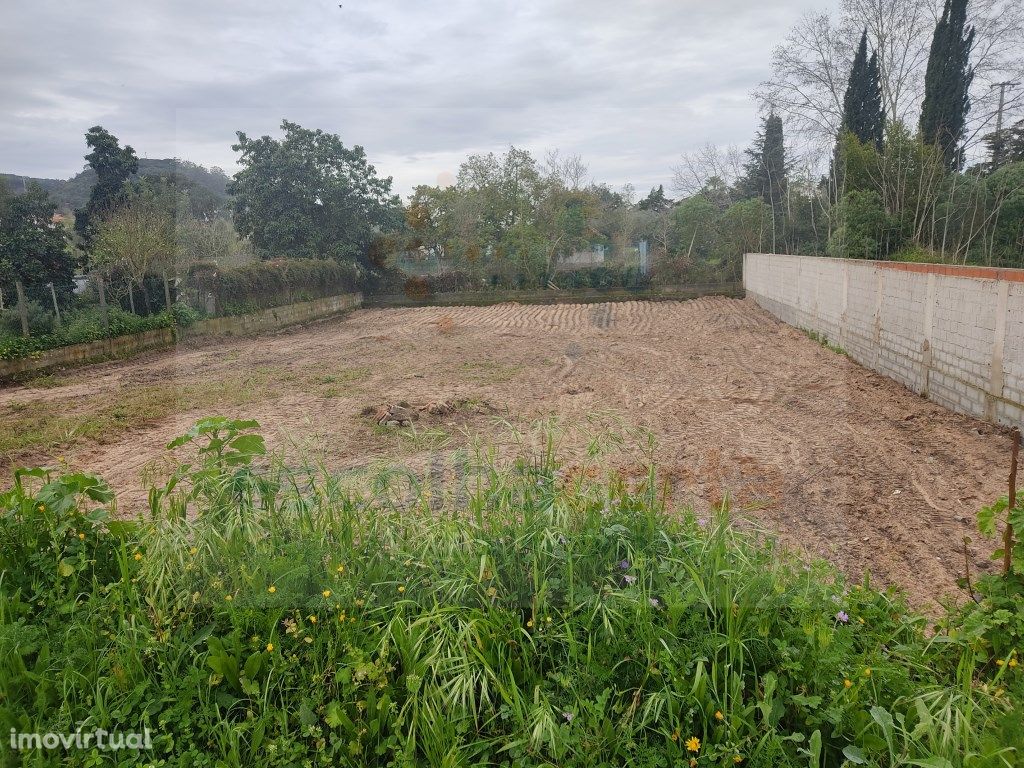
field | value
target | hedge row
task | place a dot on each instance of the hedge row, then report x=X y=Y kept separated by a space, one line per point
x=87 y=325
x=264 y=284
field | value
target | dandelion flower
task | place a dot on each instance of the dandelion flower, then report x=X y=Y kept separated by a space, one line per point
x=693 y=744
x=327 y=593
x=341 y=569
x=529 y=623
x=271 y=589
x=999 y=662
x=138 y=555
x=81 y=536
x=312 y=619
x=270 y=647
x=1012 y=662
x=847 y=683
x=41 y=507
x=719 y=716
x=401 y=589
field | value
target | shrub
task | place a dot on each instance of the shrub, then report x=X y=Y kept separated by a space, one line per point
x=264 y=615
x=265 y=284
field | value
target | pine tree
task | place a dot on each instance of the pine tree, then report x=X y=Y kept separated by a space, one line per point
x=947 y=84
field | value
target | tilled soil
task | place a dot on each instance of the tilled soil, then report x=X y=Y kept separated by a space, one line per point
x=837 y=460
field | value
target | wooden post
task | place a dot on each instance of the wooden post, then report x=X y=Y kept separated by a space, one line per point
x=56 y=308
x=22 y=307
x=167 y=291
x=1012 y=503
x=103 y=304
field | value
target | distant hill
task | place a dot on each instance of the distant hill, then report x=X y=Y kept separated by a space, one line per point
x=74 y=192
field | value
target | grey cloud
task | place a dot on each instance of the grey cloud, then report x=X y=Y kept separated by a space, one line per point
x=418 y=83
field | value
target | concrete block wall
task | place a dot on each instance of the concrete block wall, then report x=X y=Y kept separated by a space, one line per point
x=952 y=334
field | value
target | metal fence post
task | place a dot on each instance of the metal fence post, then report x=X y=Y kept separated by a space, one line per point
x=22 y=307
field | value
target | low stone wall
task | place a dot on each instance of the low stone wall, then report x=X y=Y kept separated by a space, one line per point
x=78 y=354
x=549 y=296
x=275 y=317
x=125 y=346
x=952 y=334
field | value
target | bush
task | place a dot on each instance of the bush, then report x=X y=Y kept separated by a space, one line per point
x=268 y=616
x=266 y=284
x=83 y=326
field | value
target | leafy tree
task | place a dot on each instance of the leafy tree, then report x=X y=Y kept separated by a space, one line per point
x=309 y=196
x=655 y=200
x=113 y=166
x=865 y=231
x=34 y=248
x=948 y=80
x=863 y=113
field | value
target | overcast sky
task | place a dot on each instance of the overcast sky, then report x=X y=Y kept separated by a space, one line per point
x=627 y=85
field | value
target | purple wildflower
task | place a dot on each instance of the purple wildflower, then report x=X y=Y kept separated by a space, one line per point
x=843 y=616
x=654 y=602
x=629 y=579
x=625 y=565
x=568 y=716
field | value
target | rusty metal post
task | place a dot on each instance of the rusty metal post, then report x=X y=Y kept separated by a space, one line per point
x=1012 y=502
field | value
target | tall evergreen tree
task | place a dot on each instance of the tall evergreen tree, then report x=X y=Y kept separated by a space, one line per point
x=863 y=113
x=947 y=83
x=767 y=172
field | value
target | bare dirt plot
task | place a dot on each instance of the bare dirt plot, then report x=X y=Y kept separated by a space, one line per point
x=840 y=461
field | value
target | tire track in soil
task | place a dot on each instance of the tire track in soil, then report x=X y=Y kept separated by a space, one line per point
x=806 y=443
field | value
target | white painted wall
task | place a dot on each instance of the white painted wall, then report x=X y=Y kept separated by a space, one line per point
x=954 y=336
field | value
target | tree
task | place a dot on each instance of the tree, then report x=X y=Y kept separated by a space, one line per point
x=113 y=165
x=947 y=98
x=863 y=113
x=34 y=248
x=767 y=173
x=655 y=200
x=309 y=196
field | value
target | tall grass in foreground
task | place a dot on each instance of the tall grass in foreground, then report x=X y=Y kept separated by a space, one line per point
x=263 y=615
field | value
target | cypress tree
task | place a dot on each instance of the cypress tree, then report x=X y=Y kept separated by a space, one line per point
x=947 y=84
x=767 y=172
x=863 y=113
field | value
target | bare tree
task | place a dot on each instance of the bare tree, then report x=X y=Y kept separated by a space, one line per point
x=698 y=168
x=570 y=172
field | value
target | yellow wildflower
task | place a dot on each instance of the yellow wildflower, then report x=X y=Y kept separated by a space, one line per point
x=81 y=536
x=271 y=589
x=719 y=716
x=229 y=598
x=193 y=551
x=737 y=759
x=138 y=555
x=1013 y=662
x=327 y=593
x=401 y=589
x=675 y=735
x=693 y=744
x=529 y=623
x=270 y=647
x=999 y=662
x=867 y=672
x=341 y=569
x=41 y=507
x=312 y=619
x=492 y=592
x=847 y=683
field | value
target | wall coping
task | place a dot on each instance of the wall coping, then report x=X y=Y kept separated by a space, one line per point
x=966 y=271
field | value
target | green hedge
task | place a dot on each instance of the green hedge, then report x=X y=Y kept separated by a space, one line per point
x=264 y=284
x=87 y=325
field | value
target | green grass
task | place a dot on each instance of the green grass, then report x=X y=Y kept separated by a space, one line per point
x=525 y=614
x=822 y=339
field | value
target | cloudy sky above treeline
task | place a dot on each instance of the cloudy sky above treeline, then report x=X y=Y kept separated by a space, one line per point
x=629 y=86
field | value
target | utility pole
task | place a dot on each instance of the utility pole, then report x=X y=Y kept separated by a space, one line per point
x=997 y=147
